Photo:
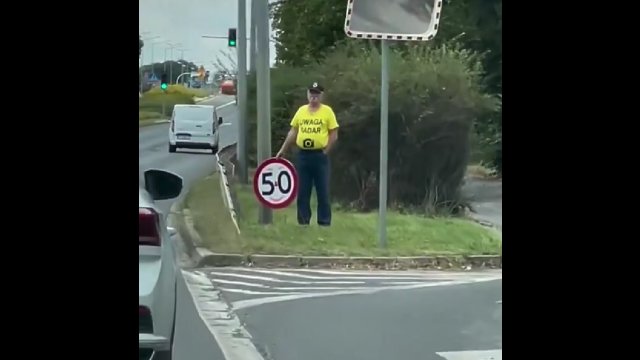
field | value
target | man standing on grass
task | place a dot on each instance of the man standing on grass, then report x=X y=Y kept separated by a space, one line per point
x=314 y=129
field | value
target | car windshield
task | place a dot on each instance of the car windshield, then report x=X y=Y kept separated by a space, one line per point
x=194 y=113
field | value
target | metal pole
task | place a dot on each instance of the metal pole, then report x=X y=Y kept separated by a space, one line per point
x=171 y=67
x=384 y=144
x=141 y=66
x=252 y=35
x=264 y=112
x=242 y=90
x=152 y=58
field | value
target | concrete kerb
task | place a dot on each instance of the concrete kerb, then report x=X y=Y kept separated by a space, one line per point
x=176 y=219
x=205 y=258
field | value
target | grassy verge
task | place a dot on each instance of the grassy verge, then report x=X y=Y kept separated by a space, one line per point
x=150 y=115
x=350 y=234
x=179 y=89
x=210 y=217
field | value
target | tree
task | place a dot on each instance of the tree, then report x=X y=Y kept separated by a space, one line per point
x=300 y=42
x=140 y=45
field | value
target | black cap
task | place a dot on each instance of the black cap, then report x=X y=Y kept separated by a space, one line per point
x=315 y=87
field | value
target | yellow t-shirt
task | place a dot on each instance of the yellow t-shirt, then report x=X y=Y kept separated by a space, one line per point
x=313 y=128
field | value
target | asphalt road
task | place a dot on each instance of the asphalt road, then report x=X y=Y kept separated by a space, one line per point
x=193 y=341
x=294 y=314
x=404 y=324
x=486 y=199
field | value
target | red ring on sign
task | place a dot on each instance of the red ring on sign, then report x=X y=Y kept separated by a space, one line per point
x=294 y=188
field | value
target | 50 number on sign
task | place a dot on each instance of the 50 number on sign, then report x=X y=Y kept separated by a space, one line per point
x=275 y=183
x=283 y=183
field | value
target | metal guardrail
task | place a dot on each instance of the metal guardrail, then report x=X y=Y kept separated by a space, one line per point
x=226 y=190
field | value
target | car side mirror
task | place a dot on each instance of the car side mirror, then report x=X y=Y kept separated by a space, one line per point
x=220 y=120
x=161 y=184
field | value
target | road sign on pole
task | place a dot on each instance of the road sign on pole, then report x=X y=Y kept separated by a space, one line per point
x=275 y=183
x=396 y=20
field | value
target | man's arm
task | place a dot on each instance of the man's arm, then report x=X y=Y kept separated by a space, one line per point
x=291 y=136
x=333 y=132
x=333 y=137
x=290 y=139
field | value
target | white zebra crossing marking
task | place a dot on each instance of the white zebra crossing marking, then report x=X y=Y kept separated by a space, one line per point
x=241 y=304
x=253 y=292
x=398 y=272
x=472 y=355
x=343 y=275
x=275 y=285
x=270 y=279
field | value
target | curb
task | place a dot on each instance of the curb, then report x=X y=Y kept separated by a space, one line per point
x=449 y=262
x=156 y=122
x=176 y=219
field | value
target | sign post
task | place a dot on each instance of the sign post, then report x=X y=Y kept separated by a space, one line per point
x=275 y=183
x=385 y=20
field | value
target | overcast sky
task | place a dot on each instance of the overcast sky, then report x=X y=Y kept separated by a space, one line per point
x=184 y=22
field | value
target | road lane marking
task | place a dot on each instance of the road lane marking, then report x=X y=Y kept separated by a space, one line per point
x=472 y=355
x=315 y=288
x=270 y=279
x=233 y=339
x=397 y=273
x=344 y=276
x=242 y=304
x=239 y=283
x=225 y=105
x=253 y=292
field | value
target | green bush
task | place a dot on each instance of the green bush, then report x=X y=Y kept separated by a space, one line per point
x=179 y=89
x=435 y=97
x=152 y=102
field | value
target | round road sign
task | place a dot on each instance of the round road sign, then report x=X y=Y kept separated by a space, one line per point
x=275 y=183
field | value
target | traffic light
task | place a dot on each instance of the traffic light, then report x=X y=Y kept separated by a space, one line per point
x=163 y=82
x=232 y=37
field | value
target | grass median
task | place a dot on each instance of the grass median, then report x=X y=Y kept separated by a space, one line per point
x=146 y=118
x=157 y=105
x=352 y=234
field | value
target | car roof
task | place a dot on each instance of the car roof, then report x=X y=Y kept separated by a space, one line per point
x=193 y=106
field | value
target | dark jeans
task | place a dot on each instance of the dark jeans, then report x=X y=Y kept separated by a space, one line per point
x=313 y=170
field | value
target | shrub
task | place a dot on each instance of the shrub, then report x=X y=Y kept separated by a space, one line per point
x=179 y=89
x=435 y=97
x=152 y=102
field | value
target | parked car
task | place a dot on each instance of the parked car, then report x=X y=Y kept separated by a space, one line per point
x=157 y=267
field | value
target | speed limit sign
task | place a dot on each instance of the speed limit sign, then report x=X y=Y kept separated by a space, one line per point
x=275 y=183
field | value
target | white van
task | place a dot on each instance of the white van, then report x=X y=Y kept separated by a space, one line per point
x=194 y=127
